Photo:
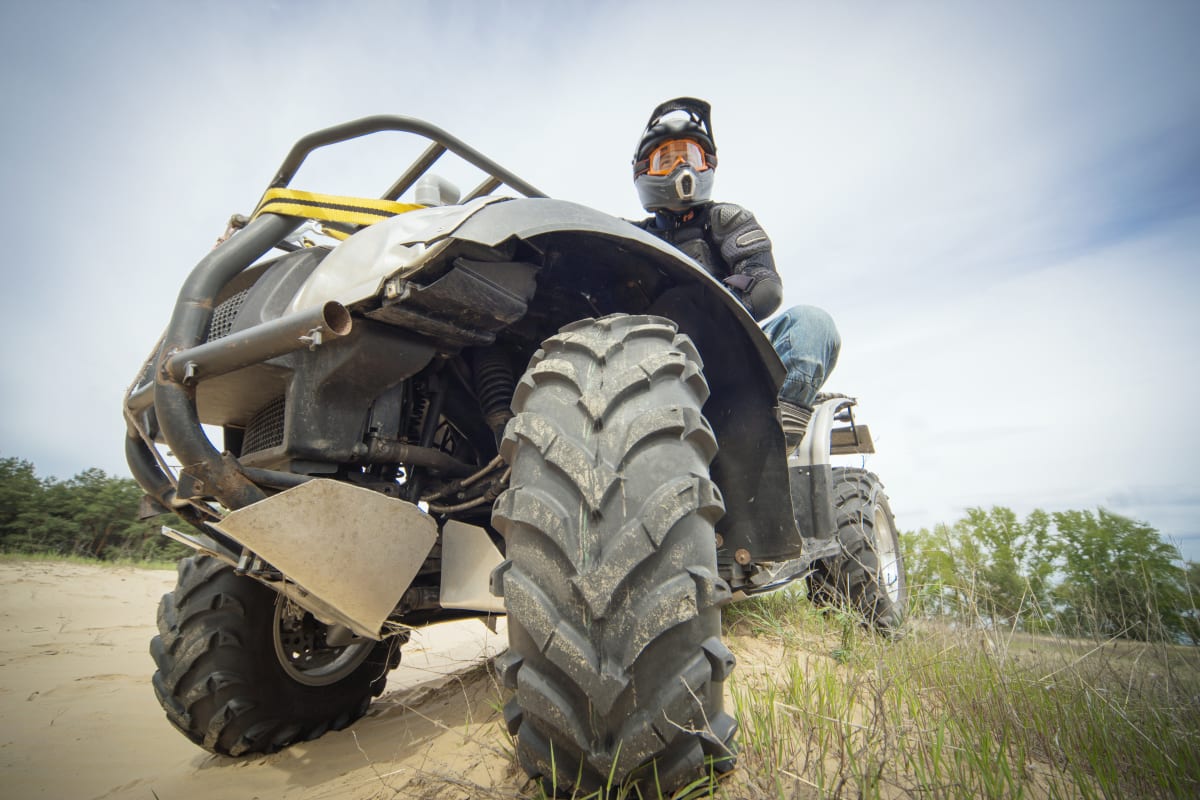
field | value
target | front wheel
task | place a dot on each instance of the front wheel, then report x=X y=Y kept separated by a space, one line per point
x=868 y=576
x=612 y=592
x=241 y=670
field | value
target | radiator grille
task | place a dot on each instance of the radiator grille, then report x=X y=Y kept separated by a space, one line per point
x=224 y=316
x=266 y=428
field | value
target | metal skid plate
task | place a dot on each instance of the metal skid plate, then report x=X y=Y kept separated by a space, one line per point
x=468 y=558
x=353 y=549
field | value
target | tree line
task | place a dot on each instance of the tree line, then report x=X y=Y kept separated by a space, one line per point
x=1069 y=572
x=92 y=515
x=1072 y=572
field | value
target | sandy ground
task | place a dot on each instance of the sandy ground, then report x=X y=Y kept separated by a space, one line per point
x=79 y=717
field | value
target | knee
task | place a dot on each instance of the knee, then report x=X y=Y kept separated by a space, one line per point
x=817 y=325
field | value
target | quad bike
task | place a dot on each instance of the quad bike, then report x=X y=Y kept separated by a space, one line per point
x=462 y=408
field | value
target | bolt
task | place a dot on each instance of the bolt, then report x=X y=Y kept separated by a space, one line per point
x=742 y=556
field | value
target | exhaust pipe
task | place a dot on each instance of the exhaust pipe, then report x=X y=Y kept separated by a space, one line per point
x=260 y=343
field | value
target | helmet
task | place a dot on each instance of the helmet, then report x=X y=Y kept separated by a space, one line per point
x=676 y=156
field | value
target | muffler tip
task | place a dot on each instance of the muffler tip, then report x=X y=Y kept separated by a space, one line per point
x=336 y=318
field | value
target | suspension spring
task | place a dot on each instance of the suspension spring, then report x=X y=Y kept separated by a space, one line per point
x=494 y=386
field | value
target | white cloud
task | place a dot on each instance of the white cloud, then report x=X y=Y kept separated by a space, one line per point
x=982 y=196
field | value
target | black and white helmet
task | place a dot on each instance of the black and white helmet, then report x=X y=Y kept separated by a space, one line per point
x=676 y=156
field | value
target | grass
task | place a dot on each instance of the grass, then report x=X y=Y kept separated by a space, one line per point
x=46 y=558
x=830 y=710
x=960 y=712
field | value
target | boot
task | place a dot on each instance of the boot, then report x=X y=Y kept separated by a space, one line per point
x=794 y=421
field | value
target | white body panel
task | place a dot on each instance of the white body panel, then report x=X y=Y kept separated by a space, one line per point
x=468 y=558
x=358 y=267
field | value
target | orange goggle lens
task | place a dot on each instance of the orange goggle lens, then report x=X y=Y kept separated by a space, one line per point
x=670 y=154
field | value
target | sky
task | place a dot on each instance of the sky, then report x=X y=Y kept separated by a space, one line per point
x=999 y=203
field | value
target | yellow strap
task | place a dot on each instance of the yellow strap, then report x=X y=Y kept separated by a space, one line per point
x=329 y=207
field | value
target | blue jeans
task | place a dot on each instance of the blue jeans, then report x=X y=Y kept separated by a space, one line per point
x=807 y=342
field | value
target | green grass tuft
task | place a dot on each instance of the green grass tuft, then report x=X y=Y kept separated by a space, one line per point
x=51 y=558
x=961 y=712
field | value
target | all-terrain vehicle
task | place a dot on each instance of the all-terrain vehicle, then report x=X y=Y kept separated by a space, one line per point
x=466 y=407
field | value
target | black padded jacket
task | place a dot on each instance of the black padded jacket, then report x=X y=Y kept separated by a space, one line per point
x=728 y=242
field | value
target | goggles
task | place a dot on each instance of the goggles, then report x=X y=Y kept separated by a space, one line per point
x=673 y=152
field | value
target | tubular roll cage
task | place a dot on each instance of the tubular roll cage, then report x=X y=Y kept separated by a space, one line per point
x=164 y=396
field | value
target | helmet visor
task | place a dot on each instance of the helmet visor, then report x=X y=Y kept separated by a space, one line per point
x=673 y=152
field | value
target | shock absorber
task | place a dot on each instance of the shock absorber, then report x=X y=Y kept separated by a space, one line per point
x=494 y=386
x=417 y=412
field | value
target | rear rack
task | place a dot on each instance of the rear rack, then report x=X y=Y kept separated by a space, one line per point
x=440 y=143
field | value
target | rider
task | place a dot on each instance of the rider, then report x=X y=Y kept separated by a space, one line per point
x=673 y=170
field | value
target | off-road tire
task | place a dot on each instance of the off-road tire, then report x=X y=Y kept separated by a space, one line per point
x=219 y=678
x=868 y=576
x=611 y=584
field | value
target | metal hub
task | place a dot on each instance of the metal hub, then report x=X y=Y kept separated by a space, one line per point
x=303 y=652
x=889 y=557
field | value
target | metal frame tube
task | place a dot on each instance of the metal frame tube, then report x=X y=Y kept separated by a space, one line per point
x=418 y=168
x=149 y=475
x=146 y=471
x=815 y=446
x=379 y=123
x=175 y=403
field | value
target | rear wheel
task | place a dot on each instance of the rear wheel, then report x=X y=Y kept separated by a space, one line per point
x=611 y=585
x=868 y=576
x=242 y=670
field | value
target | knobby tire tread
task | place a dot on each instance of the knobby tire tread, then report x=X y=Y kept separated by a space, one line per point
x=612 y=590
x=851 y=580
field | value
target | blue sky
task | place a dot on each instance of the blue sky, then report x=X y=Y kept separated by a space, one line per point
x=999 y=203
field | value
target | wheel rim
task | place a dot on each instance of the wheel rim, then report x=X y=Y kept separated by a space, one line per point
x=888 y=555
x=302 y=652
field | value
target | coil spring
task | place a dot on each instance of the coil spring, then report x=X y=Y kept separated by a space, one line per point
x=494 y=383
x=420 y=405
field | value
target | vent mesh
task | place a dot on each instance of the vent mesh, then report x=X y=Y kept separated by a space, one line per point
x=266 y=428
x=224 y=315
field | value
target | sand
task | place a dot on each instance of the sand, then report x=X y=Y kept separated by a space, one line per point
x=79 y=717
